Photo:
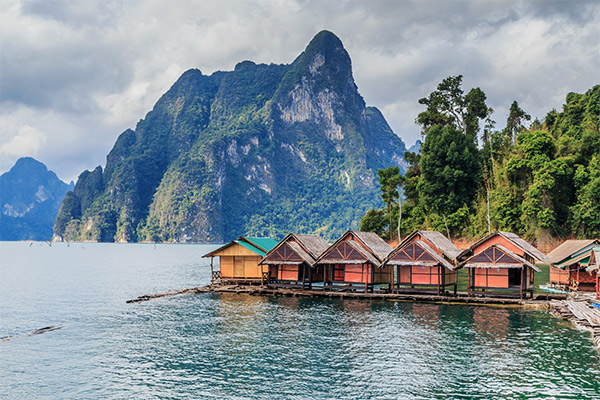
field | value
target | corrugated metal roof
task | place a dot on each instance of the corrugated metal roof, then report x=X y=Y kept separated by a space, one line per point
x=251 y=247
x=259 y=246
x=263 y=243
x=569 y=249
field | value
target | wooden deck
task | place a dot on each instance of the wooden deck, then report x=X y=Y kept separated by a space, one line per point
x=582 y=313
x=540 y=301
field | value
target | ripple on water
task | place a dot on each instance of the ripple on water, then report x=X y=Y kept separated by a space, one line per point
x=251 y=347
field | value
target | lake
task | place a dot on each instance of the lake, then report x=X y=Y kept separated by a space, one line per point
x=228 y=346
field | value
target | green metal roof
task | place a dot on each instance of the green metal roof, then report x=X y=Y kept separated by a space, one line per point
x=259 y=246
x=582 y=258
x=265 y=243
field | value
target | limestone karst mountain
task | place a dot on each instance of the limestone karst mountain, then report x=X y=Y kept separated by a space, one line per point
x=261 y=150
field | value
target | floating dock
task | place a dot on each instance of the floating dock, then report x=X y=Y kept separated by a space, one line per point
x=540 y=301
x=582 y=313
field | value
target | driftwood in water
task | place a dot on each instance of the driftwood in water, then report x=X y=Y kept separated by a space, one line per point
x=35 y=332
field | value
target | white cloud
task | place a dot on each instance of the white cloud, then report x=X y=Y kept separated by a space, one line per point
x=26 y=141
x=82 y=72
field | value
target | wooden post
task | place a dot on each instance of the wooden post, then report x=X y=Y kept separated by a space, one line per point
x=303 y=274
x=442 y=278
x=392 y=267
x=212 y=273
x=523 y=276
x=469 y=283
x=372 y=278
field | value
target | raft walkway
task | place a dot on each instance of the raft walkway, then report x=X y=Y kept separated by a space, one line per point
x=540 y=301
x=581 y=313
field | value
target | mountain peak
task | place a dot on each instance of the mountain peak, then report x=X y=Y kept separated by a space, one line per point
x=330 y=47
x=29 y=163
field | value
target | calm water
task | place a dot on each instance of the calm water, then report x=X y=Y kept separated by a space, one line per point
x=246 y=347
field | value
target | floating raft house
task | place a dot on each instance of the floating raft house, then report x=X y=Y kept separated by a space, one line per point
x=424 y=260
x=239 y=261
x=569 y=263
x=594 y=270
x=292 y=263
x=355 y=261
x=501 y=262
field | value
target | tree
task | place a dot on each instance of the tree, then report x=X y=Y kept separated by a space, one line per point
x=515 y=121
x=450 y=170
x=390 y=181
x=373 y=221
x=451 y=174
x=449 y=106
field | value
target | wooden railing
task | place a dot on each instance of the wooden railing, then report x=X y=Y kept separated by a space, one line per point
x=216 y=275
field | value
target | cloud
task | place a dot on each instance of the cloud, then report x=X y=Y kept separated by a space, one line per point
x=82 y=72
x=27 y=140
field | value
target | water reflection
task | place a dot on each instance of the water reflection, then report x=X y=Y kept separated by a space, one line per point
x=230 y=346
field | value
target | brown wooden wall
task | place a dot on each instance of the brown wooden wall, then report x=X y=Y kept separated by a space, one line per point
x=559 y=276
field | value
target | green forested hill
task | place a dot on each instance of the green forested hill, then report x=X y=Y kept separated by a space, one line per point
x=261 y=150
x=539 y=179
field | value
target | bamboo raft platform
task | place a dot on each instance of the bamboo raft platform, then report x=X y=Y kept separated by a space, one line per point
x=540 y=301
x=581 y=313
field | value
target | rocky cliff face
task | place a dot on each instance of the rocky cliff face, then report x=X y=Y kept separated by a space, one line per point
x=30 y=197
x=261 y=150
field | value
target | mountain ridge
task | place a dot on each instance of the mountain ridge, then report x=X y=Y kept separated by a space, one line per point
x=263 y=150
x=30 y=196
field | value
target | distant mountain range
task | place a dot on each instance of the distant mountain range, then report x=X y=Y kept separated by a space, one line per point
x=262 y=150
x=30 y=197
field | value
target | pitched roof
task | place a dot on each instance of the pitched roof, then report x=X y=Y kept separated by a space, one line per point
x=521 y=260
x=568 y=249
x=438 y=240
x=377 y=245
x=376 y=248
x=263 y=243
x=439 y=259
x=515 y=239
x=594 y=264
x=259 y=246
x=308 y=247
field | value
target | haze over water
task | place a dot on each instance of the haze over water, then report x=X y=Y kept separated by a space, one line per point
x=251 y=347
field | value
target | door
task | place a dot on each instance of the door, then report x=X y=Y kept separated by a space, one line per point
x=238 y=267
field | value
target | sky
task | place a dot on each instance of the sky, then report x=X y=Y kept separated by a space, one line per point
x=75 y=74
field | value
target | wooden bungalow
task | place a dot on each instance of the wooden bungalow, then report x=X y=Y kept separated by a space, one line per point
x=292 y=262
x=354 y=262
x=501 y=261
x=594 y=270
x=426 y=260
x=239 y=260
x=569 y=262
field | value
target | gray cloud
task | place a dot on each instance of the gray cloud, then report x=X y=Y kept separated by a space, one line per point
x=75 y=74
